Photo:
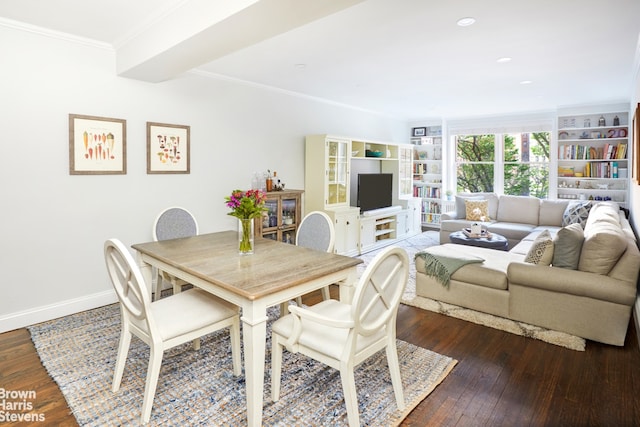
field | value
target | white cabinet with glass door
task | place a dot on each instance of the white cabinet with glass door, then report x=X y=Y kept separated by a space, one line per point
x=326 y=181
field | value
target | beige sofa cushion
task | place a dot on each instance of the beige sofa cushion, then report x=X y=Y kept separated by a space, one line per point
x=604 y=240
x=522 y=209
x=567 y=245
x=551 y=212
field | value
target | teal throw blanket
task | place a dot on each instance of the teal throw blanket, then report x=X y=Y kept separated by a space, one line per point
x=440 y=262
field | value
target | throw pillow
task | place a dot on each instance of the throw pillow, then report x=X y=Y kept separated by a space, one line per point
x=603 y=245
x=461 y=209
x=567 y=246
x=477 y=210
x=576 y=213
x=541 y=251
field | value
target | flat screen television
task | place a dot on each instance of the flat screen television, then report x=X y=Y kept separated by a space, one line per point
x=375 y=191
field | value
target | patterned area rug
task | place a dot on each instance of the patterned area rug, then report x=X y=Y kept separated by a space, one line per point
x=431 y=238
x=198 y=387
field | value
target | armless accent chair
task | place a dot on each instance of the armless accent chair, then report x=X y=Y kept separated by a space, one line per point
x=172 y=223
x=163 y=324
x=343 y=335
x=316 y=231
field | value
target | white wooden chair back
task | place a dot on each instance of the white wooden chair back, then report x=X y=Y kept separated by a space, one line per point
x=316 y=231
x=378 y=293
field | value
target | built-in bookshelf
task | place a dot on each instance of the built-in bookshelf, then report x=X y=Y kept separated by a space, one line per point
x=427 y=174
x=593 y=156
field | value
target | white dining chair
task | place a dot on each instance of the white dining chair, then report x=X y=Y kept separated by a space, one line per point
x=172 y=223
x=163 y=324
x=316 y=231
x=343 y=335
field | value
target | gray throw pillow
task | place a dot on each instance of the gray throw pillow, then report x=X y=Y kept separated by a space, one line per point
x=576 y=213
x=567 y=246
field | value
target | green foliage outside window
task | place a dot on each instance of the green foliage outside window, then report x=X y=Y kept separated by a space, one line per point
x=525 y=165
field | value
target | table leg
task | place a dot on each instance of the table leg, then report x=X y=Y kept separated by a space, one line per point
x=348 y=286
x=254 y=330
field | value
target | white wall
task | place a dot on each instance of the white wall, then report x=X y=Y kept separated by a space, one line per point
x=53 y=225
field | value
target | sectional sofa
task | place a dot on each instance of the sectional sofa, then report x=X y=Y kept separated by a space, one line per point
x=583 y=282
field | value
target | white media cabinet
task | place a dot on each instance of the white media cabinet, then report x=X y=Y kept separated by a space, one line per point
x=380 y=228
x=331 y=167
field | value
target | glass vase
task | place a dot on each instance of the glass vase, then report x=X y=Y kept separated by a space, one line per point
x=245 y=236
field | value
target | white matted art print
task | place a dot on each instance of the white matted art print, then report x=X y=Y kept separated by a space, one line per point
x=97 y=145
x=168 y=148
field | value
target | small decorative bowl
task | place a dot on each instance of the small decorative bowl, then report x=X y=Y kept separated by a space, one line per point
x=355 y=153
x=370 y=153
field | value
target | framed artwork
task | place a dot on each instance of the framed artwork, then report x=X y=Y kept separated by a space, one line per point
x=168 y=148
x=419 y=131
x=97 y=145
x=636 y=145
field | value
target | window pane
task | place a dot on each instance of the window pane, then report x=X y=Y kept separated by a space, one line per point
x=475 y=148
x=526 y=168
x=527 y=147
x=526 y=180
x=475 y=177
x=475 y=155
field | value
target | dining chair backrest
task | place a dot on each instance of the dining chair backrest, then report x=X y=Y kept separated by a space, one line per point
x=129 y=285
x=316 y=231
x=379 y=290
x=173 y=223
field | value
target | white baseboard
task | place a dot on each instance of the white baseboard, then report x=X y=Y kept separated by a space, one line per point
x=20 y=319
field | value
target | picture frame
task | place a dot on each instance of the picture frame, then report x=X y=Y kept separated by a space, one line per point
x=168 y=148
x=635 y=163
x=97 y=145
x=419 y=131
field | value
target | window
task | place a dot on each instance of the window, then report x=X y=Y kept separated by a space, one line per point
x=475 y=161
x=522 y=167
x=526 y=164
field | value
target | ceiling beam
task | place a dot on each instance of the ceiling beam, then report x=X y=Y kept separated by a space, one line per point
x=200 y=31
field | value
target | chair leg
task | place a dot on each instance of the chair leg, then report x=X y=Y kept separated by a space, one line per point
x=235 y=347
x=299 y=301
x=350 y=394
x=394 y=371
x=326 y=295
x=276 y=366
x=121 y=360
x=153 y=371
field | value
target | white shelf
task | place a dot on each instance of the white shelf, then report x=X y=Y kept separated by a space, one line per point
x=582 y=135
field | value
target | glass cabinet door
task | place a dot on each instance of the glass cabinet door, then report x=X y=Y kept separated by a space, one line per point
x=337 y=173
x=289 y=219
x=281 y=220
x=405 y=171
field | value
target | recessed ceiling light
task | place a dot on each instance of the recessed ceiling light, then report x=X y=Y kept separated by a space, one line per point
x=526 y=82
x=465 y=22
x=503 y=60
x=301 y=66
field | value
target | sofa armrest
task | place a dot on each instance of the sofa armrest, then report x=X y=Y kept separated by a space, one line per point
x=572 y=282
x=448 y=215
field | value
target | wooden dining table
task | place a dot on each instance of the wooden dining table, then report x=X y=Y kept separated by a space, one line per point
x=275 y=273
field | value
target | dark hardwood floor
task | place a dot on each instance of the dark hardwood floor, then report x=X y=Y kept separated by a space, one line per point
x=500 y=380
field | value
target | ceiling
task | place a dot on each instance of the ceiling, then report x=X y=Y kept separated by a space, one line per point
x=404 y=58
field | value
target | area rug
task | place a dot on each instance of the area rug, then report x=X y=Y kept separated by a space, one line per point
x=199 y=388
x=431 y=238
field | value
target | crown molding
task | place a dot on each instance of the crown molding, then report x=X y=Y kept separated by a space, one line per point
x=59 y=35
